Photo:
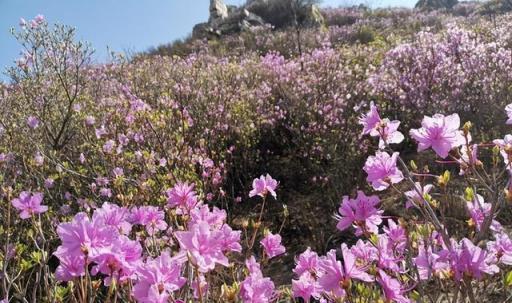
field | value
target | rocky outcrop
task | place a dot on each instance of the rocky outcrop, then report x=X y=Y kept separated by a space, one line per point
x=313 y=16
x=226 y=19
x=495 y=7
x=218 y=10
x=435 y=4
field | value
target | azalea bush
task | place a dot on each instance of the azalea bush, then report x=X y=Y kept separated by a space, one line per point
x=137 y=180
x=185 y=250
x=459 y=69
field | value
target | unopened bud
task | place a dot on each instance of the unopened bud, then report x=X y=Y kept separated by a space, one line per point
x=444 y=179
x=467 y=127
x=414 y=167
x=508 y=195
x=286 y=214
x=469 y=195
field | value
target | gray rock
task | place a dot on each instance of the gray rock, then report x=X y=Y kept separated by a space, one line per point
x=313 y=16
x=218 y=10
x=225 y=20
x=250 y=20
x=201 y=30
x=435 y=4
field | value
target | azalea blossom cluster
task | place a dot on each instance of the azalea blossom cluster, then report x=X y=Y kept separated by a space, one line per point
x=385 y=253
x=138 y=246
x=436 y=254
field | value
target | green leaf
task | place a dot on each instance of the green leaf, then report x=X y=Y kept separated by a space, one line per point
x=508 y=279
x=26 y=265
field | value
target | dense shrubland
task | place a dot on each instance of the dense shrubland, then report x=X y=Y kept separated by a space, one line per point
x=138 y=180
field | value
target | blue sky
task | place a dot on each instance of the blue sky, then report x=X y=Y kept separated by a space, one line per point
x=123 y=25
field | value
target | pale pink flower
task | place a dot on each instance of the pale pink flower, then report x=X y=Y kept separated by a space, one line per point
x=33 y=122
x=505 y=146
x=393 y=291
x=158 y=278
x=263 y=185
x=468 y=157
x=256 y=288
x=203 y=245
x=382 y=170
x=29 y=204
x=416 y=197
x=151 y=217
x=306 y=262
x=439 y=132
x=478 y=210
x=272 y=245
x=508 y=109
x=472 y=261
x=306 y=287
x=361 y=212
x=388 y=133
x=335 y=275
x=371 y=120
x=182 y=196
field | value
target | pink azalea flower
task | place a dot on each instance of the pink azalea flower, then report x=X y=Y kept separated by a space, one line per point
x=158 y=278
x=365 y=252
x=413 y=198
x=352 y=270
x=388 y=257
x=505 y=146
x=388 y=133
x=32 y=122
x=272 y=245
x=262 y=186
x=39 y=159
x=252 y=266
x=430 y=263
x=182 y=196
x=386 y=130
x=113 y=215
x=306 y=262
x=468 y=157
x=82 y=237
x=99 y=132
x=382 y=170
x=215 y=217
x=105 y=192
x=109 y=146
x=256 y=288
x=371 y=120
x=397 y=235
x=70 y=267
x=306 y=287
x=230 y=239
x=439 y=132
x=151 y=217
x=336 y=276
x=29 y=204
x=199 y=288
x=119 y=260
x=392 y=288
x=203 y=245
x=469 y=260
x=39 y=18
x=501 y=247
x=361 y=212
x=508 y=109
x=49 y=183
x=478 y=210
x=90 y=120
